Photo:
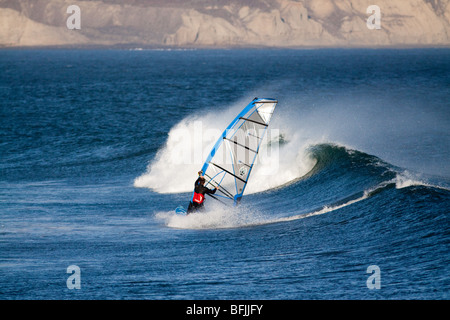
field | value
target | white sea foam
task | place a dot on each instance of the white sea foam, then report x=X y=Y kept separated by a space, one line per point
x=224 y=218
x=216 y=216
x=219 y=217
x=407 y=179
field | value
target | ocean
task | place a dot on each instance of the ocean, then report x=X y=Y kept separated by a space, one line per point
x=349 y=200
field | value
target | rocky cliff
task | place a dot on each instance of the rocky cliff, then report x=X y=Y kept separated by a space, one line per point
x=226 y=23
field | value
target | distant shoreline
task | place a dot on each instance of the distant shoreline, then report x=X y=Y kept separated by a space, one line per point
x=226 y=24
x=139 y=47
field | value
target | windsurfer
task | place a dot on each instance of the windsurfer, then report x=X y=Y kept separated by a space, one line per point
x=198 y=200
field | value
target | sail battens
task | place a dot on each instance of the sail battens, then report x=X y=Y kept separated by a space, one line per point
x=241 y=145
x=228 y=172
x=221 y=189
x=254 y=121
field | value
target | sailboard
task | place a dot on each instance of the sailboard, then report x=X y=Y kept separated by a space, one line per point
x=231 y=160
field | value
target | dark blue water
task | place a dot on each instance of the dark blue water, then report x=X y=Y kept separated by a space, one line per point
x=362 y=177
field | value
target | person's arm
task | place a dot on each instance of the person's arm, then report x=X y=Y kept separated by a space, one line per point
x=212 y=191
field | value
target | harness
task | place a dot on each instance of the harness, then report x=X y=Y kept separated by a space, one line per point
x=198 y=198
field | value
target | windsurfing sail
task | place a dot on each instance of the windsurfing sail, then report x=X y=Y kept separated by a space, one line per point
x=231 y=160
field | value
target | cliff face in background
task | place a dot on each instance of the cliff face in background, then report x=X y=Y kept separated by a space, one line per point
x=226 y=23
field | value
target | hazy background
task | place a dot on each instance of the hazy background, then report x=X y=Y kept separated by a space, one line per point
x=225 y=23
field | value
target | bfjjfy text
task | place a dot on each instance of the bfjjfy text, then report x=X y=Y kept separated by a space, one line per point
x=243 y=310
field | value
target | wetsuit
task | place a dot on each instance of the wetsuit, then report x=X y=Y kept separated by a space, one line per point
x=198 y=199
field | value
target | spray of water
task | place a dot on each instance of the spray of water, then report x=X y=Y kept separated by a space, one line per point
x=283 y=155
x=215 y=216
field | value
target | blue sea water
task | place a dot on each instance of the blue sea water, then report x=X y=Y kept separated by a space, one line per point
x=91 y=170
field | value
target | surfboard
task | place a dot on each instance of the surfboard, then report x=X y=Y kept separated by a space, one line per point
x=230 y=162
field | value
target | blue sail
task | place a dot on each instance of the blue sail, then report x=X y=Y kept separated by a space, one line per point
x=231 y=160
